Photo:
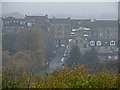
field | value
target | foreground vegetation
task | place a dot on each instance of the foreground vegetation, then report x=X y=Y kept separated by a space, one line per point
x=76 y=77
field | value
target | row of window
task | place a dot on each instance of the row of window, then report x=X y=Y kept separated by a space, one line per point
x=12 y=27
x=8 y=22
x=98 y=43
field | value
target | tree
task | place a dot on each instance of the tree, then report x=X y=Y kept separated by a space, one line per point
x=49 y=54
x=90 y=56
x=23 y=60
x=8 y=42
x=30 y=40
x=75 y=56
x=5 y=58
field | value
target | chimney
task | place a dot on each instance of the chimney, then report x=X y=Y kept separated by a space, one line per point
x=25 y=15
x=69 y=18
x=46 y=16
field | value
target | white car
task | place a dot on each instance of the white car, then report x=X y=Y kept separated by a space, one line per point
x=65 y=55
x=63 y=45
x=57 y=46
x=62 y=59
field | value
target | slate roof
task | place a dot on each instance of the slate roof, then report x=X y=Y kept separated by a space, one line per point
x=103 y=23
x=35 y=17
x=60 y=21
x=13 y=21
x=70 y=21
x=75 y=21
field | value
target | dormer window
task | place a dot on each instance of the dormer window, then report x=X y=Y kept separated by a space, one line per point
x=99 y=43
x=22 y=22
x=92 y=43
x=6 y=22
x=112 y=43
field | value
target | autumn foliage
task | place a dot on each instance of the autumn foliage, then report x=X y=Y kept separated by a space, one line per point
x=75 y=77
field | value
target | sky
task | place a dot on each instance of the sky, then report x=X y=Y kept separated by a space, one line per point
x=94 y=10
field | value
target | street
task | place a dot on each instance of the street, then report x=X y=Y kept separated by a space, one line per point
x=56 y=62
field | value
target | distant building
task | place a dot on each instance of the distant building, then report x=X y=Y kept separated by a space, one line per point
x=81 y=38
x=60 y=30
x=41 y=23
x=101 y=34
x=16 y=24
x=86 y=33
x=11 y=23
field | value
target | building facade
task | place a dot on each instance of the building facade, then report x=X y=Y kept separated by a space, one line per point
x=100 y=34
x=17 y=24
x=87 y=33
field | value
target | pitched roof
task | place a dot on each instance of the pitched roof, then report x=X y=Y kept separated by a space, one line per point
x=35 y=17
x=103 y=23
x=59 y=20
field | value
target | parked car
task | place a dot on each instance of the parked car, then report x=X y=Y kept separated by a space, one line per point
x=62 y=59
x=65 y=55
x=63 y=45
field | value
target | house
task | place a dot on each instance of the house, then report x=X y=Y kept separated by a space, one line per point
x=11 y=23
x=60 y=29
x=101 y=34
x=16 y=24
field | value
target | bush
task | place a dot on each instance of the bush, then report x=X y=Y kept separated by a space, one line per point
x=74 y=77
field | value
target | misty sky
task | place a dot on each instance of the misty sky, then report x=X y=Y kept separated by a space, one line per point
x=97 y=10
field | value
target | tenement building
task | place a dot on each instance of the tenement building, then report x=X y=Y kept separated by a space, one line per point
x=17 y=24
x=66 y=32
x=100 y=34
x=11 y=23
x=61 y=29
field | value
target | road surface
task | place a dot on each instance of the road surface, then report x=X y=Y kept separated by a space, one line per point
x=56 y=62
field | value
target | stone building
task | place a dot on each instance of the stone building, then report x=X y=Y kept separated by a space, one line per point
x=16 y=24
x=41 y=23
x=101 y=34
x=60 y=30
x=105 y=35
x=79 y=38
x=87 y=33
x=11 y=23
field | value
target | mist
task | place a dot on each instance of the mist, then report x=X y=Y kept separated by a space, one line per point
x=97 y=10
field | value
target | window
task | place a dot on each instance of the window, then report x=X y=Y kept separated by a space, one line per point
x=29 y=24
x=98 y=43
x=109 y=57
x=115 y=57
x=67 y=26
x=86 y=35
x=6 y=22
x=22 y=22
x=80 y=41
x=76 y=41
x=106 y=48
x=92 y=43
x=112 y=43
x=85 y=45
x=22 y=27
